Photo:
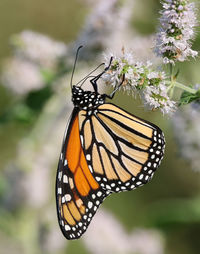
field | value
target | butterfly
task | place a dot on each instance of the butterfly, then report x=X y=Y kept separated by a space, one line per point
x=105 y=150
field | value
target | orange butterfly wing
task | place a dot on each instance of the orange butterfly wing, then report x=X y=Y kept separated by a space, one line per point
x=78 y=194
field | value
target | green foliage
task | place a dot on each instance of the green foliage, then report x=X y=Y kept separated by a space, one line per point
x=187 y=97
x=27 y=109
x=47 y=75
x=36 y=99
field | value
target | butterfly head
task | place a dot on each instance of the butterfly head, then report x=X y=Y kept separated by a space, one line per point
x=86 y=100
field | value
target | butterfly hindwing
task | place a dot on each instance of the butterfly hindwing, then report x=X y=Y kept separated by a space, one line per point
x=78 y=194
x=122 y=150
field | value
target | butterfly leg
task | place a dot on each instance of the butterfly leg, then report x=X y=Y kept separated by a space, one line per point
x=96 y=78
x=116 y=88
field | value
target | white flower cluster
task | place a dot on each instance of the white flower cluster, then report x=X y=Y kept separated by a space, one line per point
x=34 y=54
x=141 y=79
x=187 y=132
x=21 y=76
x=99 y=32
x=156 y=97
x=38 y=48
x=112 y=237
x=178 y=20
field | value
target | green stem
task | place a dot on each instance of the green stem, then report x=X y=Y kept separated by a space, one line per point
x=186 y=88
x=179 y=85
x=171 y=71
x=171 y=87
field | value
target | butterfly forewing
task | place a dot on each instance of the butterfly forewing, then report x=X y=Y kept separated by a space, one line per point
x=78 y=194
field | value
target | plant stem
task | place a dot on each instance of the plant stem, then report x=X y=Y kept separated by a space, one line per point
x=172 y=83
x=179 y=85
x=186 y=88
x=171 y=87
x=171 y=71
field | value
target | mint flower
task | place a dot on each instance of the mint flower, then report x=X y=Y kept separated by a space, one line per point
x=177 y=23
x=156 y=97
x=140 y=79
x=186 y=129
x=38 y=48
x=21 y=76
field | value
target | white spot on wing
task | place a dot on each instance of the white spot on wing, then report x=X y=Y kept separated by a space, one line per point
x=61 y=156
x=67 y=197
x=81 y=137
x=90 y=168
x=67 y=227
x=90 y=204
x=88 y=157
x=99 y=193
x=60 y=175
x=65 y=179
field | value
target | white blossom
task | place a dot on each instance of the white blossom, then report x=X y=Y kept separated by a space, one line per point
x=108 y=23
x=107 y=235
x=34 y=53
x=177 y=23
x=21 y=76
x=141 y=79
x=186 y=129
x=38 y=48
x=156 y=97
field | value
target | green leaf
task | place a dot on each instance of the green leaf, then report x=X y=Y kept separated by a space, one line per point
x=35 y=100
x=187 y=97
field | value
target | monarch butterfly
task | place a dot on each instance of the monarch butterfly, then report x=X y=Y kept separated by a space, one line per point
x=105 y=150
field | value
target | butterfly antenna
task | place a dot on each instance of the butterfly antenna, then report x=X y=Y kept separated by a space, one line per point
x=89 y=75
x=77 y=52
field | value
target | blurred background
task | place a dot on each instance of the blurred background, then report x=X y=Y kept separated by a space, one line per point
x=37 y=49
